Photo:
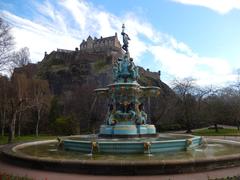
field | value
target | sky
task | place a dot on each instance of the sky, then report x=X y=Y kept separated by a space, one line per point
x=181 y=38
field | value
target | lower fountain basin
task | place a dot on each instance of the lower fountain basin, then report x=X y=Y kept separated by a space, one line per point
x=213 y=154
x=160 y=143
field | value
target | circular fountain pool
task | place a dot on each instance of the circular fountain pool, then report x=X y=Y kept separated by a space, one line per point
x=212 y=154
x=159 y=143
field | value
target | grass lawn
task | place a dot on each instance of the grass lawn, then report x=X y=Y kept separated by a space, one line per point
x=221 y=132
x=4 y=139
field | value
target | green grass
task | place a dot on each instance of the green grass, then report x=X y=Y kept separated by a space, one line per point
x=4 y=139
x=221 y=132
x=227 y=178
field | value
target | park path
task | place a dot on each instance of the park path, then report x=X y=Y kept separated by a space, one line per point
x=47 y=175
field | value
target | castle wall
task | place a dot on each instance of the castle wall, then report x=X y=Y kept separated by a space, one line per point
x=101 y=44
x=148 y=73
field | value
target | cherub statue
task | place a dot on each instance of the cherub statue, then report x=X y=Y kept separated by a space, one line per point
x=142 y=116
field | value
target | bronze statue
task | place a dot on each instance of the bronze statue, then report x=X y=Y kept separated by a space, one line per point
x=125 y=39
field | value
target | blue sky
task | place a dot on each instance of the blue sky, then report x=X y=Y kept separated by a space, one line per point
x=182 y=38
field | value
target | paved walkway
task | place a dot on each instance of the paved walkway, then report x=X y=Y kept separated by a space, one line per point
x=219 y=125
x=46 y=175
x=232 y=138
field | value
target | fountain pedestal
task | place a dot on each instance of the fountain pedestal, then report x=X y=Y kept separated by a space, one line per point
x=124 y=130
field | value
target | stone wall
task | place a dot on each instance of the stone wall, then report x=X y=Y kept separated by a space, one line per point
x=150 y=74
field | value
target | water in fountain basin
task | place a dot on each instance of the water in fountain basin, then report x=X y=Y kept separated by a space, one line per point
x=205 y=151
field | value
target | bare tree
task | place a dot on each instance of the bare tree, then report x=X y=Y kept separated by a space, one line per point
x=21 y=57
x=231 y=98
x=6 y=44
x=184 y=86
x=4 y=87
x=18 y=100
x=216 y=110
x=202 y=92
x=185 y=89
x=41 y=99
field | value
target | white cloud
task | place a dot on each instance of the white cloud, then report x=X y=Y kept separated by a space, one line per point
x=221 y=6
x=79 y=10
x=205 y=70
x=37 y=37
x=65 y=25
x=176 y=63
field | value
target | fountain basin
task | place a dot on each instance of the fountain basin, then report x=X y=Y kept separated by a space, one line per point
x=160 y=143
x=214 y=154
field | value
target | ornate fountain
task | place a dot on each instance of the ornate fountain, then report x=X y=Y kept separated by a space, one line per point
x=126 y=128
x=126 y=116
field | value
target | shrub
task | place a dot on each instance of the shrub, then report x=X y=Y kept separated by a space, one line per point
x=64 y=126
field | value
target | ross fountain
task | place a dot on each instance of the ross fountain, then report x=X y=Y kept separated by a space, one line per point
x=127 y=143
x=126 y=129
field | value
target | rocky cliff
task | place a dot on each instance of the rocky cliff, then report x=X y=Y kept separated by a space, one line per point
x=66 y=69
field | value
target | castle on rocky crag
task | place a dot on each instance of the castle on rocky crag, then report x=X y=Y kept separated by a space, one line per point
x=92 y=53
x=102 y=44
x=109 y=47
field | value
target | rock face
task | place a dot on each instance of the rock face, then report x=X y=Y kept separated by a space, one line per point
x=66 y=69
x=91 y=65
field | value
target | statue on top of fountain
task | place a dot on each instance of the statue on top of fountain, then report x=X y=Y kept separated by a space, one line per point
x=125 y=39
x=124 y=70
